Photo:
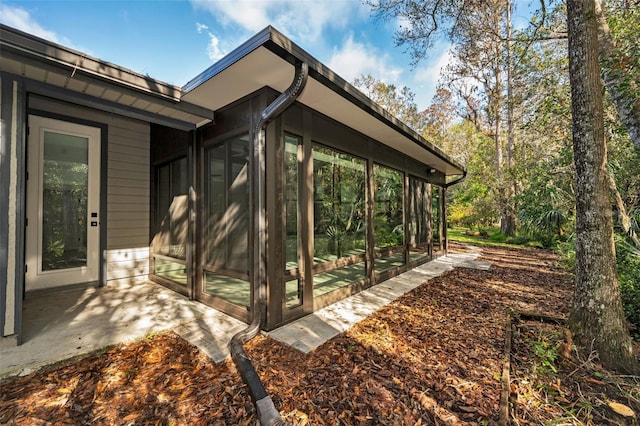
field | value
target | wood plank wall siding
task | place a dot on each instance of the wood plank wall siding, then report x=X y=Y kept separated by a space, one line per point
x=128 y=186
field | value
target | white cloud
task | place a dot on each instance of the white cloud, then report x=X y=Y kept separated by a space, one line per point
x=20 y=19
x=430 y=72
x=201 y=27
x=354 y=59
x=301 y=20
x=213 y=49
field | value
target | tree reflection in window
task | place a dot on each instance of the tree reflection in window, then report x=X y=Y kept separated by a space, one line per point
x=339 y=218
x=339 y=204
x=388 y=222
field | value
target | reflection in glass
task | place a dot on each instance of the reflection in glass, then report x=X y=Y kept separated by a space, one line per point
x=226 y=222
x=291 y=201
x=339 y=216
x=232 y=289
x=173 y=271
x=435 y=215
x=339 y=204
x=64 y=201
x=419 y=220
x=325 y=282
x=293 y=289
x=293 y=293
x=171 y=191
x=388 y=222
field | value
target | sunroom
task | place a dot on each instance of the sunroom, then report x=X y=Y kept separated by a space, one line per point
x=350 y=196
x=267 y=177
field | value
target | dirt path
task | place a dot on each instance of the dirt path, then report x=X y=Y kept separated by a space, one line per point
x=433 y=356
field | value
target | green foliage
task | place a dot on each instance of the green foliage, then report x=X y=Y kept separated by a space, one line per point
x=628 y=266
x=567 y=251
x=498 y=237
x=545 y=354
x=473 y=202
x=624 y=22
x=399 y=102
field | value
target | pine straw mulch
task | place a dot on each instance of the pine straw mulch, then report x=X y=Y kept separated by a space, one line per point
x=551 y=383
x=434 y=356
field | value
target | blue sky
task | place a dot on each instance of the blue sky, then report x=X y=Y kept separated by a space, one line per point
x=173 y=41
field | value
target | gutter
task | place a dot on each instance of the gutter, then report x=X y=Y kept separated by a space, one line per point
x=453 y=182
x=267 y=412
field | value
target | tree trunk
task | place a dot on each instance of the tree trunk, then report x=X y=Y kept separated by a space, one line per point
x=494 y=108
x=617 y=80
x=597 y=320
x=508 y=225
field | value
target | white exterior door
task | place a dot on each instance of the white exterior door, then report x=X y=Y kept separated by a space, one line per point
x=63 y=200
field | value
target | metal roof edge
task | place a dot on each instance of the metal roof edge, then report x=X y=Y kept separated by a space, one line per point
x=281 y=45
x=37 y=46
x=231 y=58
x=36 y=49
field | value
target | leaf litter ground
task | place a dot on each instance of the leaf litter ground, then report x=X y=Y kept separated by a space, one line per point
x=434 y=356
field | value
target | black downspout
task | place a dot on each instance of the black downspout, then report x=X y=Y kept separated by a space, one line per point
x=444 y=208
x=267 y=412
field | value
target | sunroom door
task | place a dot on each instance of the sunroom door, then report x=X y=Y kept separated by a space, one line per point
x=63 y=200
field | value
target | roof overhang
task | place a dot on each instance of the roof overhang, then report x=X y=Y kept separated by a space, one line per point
x=268 y=59
x=53 y=70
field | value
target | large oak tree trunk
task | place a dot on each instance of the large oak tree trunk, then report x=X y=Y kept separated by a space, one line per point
x=596 y=319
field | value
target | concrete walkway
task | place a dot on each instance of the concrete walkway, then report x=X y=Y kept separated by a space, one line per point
x=309 y=332
x=72 y=323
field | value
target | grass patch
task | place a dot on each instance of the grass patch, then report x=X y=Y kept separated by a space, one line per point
x=490 y=237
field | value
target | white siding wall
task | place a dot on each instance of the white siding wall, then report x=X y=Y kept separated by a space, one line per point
x=128 y=186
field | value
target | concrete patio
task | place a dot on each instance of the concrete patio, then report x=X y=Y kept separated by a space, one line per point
x=67 y=324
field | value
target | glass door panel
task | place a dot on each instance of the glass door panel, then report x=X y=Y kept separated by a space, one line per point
x=63 y=200
x=226 y=239
x=65 y=180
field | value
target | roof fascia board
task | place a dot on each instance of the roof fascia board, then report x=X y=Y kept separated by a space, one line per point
x=66 y=95
x=50 y=56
